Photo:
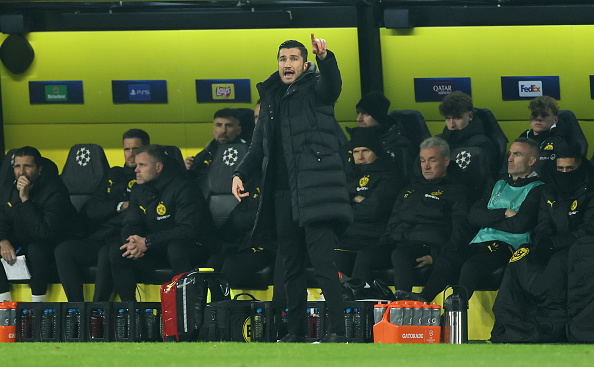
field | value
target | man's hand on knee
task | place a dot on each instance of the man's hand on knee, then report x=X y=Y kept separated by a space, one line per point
x=134 y=248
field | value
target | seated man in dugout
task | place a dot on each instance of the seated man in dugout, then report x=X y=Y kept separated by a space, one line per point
x=429 y=218
x=35 y=215
x=506 y=216
x=544 y=117
x=531 y=306
x=372 y=191
x=165 y=221
x=105 y=213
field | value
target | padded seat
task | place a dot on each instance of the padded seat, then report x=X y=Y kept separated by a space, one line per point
x=571 y=130
x=413 y=125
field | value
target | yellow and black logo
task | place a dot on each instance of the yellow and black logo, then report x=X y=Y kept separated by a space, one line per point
x=549 y=147
x=574 y=205
x=110 y=185
x=161 y=210
x=131 y=183
x=408 y=193
x=143 y=209
x=364 y=181
x=520 y=253
x=550 y=202
x=437 y=193
x=247 y=330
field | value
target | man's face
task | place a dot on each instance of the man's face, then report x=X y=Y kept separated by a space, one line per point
x=365 y=120
x=363 y=155
x=146 y=170
x=458 y=122
x=25 y=166
x=131 y=145
x=225 y=130
x=290 y=64
x=541 y=123
x=566 y=164
x=519 y=163
x=433 y=164
x=256 y=113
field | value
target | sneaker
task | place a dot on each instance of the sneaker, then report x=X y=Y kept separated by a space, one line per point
x=383 y=290
x=290 y=338
x=408 y=296
x=333 y=338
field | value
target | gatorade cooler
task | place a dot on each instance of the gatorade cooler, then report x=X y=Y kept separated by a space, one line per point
x=7 y=322
x=386 y=332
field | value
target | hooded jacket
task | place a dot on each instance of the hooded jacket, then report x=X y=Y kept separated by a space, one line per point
x=48 y=215
x=310 y=142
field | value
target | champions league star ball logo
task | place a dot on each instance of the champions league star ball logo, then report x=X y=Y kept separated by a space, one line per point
x=230 y=156
x=463 y=159
x=83 y=157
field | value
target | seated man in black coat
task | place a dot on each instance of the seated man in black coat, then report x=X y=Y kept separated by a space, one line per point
x=544 y=112
x=531 y=306
x=163 y=226
x=105 y=213
x=429 y=217
x=36 y=214
x=372 y=190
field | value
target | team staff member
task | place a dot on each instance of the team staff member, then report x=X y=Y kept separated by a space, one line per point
x=36 y=213
x=105 y=213
x=531 y=306
x=296 y=144
x=163 y=223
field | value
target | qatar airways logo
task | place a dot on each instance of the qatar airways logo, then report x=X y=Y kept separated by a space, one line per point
x=530 y=88
x=442 y=89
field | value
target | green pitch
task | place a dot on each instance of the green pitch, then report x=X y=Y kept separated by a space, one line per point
x=288 y=355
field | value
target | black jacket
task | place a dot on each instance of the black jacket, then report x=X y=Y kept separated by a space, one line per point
x=167 y=209
x=379 y=184
x=550 y=142
x=430 y=212
x=101 y=211
x=48 y=215
x=310 y=142
x=565 y=217
x=526 y=218
x=203 y=159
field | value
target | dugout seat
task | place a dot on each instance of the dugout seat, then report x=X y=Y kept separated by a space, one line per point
x=84 y=171
x=571 y=130
x=413 y=125
x=246 y=121
x=496 y=134
x=6 y=171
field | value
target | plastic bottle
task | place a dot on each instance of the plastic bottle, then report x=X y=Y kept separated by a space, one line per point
x=97 y=323
x=317 y=323
x=72 y=323
x=54 y=324
x=407 y=314
x=435 y=314
x=356 y=323
x=348 y=323
x=378 y=312
x=25 y=326
x=47 y=324
x=121 y=324
x=396 y=315
x=258 y=326
x=149 y=325
x=417 y=314
x=139 y=326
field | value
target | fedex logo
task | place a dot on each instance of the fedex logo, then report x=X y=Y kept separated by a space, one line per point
x=223 y=91
x=530 y=88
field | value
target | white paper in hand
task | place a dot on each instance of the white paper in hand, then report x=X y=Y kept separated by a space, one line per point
x=17 y=271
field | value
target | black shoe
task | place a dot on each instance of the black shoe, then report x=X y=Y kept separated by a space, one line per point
x=383 y=290
x=290 y=338
x=408 y=296
x=333 y=338
x=352 y=289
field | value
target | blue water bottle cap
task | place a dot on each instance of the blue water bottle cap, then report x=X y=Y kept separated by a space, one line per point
x=259 y=310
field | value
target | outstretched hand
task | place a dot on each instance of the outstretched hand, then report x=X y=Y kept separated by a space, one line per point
x=318 y=46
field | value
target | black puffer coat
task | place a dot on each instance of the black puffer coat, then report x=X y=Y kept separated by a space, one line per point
x=310 y=140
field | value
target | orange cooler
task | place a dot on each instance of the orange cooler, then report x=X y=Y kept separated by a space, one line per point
x=385 y=332
x=7 y=324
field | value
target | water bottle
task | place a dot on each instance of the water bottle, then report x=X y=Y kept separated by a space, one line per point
x=456 y=317
x=70 y=324
x=258 y=327
x=47 y=324
x=356 y=323
x=97 y=323
x=26 y=328
x=417 y=314
x=435 y=314
x=348 y=323
x=317 y=323
x=378 y=312
x=54 y=324
x=121 y=324
x=139 y=331
x=149 y=325
x=407 y=314
x=396 y=315
x=426 y=318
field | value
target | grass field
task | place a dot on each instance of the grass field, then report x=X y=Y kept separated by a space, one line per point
x=287 y=355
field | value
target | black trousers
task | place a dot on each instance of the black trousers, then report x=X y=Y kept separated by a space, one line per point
x=181 y=256
x=71 y=257
x=295 y=243
x=239 y=268
x=39 y=258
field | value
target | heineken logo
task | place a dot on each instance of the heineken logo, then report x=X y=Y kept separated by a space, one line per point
x=56 y=93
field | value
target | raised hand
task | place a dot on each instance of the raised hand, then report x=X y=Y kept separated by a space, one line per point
x=318 y=46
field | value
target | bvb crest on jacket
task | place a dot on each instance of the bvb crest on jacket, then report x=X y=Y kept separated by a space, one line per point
x=364 y=181
x=161 y=210
x=520 y=253
x=130 y=184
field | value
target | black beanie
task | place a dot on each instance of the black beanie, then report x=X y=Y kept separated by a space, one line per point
x=375 y=104
x=367 y=137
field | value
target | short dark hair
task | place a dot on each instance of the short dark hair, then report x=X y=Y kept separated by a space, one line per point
x=226 y=113
x=540 y=106
x=532 y=144
x=155 y=152
x=455 y=104
x=30 y=152
x=571 y=151
x=293 y=44
x=138 y=133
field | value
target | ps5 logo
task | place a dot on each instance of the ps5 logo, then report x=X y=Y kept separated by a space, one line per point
x=530 y=88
